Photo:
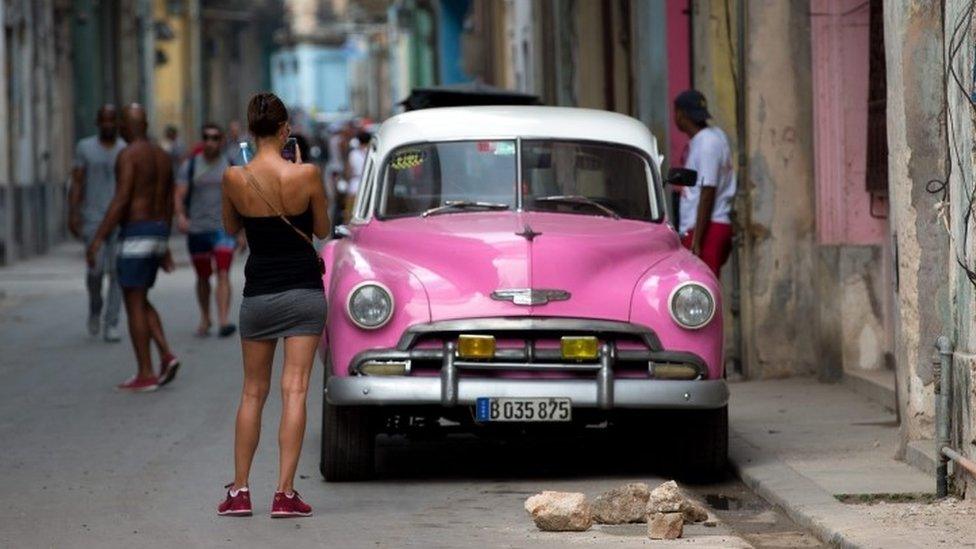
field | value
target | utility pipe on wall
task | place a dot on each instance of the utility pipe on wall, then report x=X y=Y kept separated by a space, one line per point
x=943 y=415
x=942 y=390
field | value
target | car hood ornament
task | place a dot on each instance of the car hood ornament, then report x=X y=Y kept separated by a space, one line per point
x=530 y=296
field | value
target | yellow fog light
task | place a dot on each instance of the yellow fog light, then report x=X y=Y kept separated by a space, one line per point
x=579 y=348
x=476 y=346
x=673 y=371
x=373 y=368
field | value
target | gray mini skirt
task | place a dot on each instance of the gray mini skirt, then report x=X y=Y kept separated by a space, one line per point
x=283 y=314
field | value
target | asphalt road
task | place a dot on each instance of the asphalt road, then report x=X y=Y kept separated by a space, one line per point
x=85 y=466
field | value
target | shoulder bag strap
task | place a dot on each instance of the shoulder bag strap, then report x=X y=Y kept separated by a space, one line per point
x=257 y=189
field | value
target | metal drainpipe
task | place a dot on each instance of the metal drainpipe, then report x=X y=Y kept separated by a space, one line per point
x=943 y=388
x=738 y=221
x=944 y=451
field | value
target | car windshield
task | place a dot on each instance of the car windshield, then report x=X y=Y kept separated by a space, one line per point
x=557 y=176
x=459 y=175
x=586 y=178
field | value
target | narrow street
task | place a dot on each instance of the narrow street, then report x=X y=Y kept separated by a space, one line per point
x=146 y=470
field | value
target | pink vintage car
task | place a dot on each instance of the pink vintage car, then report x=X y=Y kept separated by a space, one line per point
x=510 y=266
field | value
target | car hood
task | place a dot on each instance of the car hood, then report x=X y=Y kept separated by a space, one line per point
x=462 y=259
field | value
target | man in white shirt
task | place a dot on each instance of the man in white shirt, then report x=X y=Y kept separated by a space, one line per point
x=704 y=225
x=355 y=163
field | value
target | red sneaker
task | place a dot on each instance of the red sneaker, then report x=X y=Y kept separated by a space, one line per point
x=285 y=506
x=139 y=384
x=235 y=505
x=168 y=369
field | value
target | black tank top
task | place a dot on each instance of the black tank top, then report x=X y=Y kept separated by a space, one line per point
x=280 y=260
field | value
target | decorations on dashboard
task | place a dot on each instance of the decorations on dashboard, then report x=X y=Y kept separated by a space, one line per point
x=408 y=159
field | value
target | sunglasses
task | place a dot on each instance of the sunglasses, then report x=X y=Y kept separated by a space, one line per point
x=212 y=137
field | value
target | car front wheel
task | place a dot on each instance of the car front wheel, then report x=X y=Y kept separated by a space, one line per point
x=348 y=440
x=348 y=443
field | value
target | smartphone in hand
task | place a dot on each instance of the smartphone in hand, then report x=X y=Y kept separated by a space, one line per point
x=288 y=151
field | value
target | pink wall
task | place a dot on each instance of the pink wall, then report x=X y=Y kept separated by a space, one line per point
x=679 y=70
x=840 y=114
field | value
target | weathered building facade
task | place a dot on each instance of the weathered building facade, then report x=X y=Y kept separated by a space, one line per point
x=60 y=60
x=853 y=127
x=36 y=124
x=855 y=212
x=210 y=57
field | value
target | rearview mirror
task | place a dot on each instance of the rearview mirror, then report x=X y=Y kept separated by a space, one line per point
x=682 y=177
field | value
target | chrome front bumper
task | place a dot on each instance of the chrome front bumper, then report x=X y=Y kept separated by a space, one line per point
x=627 y=393
x=602 y=391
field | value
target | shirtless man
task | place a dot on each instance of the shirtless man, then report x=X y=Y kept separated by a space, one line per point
x=142 y=207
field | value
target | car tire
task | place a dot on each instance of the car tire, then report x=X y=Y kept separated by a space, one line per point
x=348 y=441
x=704 y=444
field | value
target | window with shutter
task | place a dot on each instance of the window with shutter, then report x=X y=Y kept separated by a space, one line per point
x=876 y=174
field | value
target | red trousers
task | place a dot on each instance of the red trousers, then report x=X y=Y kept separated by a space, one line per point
x=716 y=245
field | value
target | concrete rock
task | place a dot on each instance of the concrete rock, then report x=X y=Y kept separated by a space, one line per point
x=560 y=511
x=665 y=525
x=693 y=511
x=627 y=503
x=666 y=498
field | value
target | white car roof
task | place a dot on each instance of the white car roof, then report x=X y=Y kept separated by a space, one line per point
x=500 y=122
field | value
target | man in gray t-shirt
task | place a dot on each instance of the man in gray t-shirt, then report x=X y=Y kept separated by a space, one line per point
x=198 y=209
x=92 y=188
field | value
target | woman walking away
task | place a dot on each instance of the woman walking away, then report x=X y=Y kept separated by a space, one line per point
x=279 y=205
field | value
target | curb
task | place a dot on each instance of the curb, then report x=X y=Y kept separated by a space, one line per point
x=806 y=503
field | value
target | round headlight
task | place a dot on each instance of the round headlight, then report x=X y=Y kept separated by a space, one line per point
x=692 y=305
x=370 y=305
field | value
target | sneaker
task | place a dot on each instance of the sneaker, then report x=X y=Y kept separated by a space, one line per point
x=227 y=330
x=285 y=506
x=235 y=504
x=93 y=325
x=112 y=334
x=168 y=369
x=139 y=385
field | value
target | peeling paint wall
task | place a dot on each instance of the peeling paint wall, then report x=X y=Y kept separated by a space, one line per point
x=779 y=294
x=916 y=142
x=961 y=129
x=861 y=294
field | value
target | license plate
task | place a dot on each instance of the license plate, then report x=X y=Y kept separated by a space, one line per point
x=523 y=409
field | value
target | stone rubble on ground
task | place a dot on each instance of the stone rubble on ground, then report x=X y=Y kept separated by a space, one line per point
x=622 y=505
x=665 y=525
x=665 y=509
x=693 y=511
x=667 y=498
x=560 y=511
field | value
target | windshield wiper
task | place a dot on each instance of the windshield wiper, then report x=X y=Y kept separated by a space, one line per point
x=463 y=205
x=579 y=199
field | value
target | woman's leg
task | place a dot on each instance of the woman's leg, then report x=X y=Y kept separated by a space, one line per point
x=299 y=356
x=258 y=356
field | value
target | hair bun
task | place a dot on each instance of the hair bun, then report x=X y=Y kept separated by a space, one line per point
x=265 y=114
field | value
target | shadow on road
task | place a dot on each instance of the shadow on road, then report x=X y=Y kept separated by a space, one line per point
x=592 y=453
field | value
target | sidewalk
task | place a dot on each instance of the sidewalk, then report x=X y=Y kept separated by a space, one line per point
x=808 y=447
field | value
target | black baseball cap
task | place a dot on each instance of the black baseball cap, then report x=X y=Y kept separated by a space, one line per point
x=693 y=104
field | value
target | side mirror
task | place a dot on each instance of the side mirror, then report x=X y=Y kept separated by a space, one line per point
x=682 y=177
x=341 y=231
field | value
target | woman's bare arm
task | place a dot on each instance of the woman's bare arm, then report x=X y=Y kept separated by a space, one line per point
x=320 y=204
x=231 y=217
